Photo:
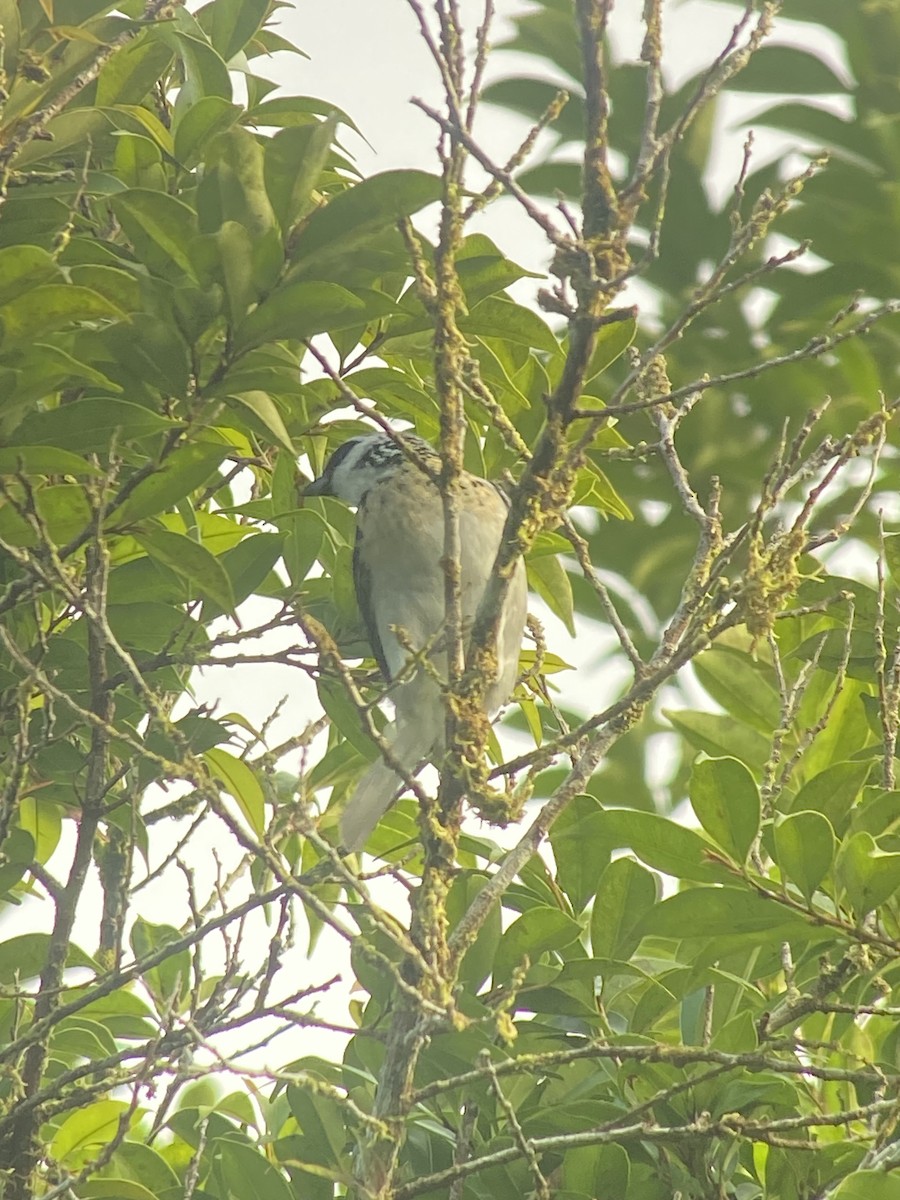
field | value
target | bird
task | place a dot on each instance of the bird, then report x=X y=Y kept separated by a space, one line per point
x=399 y=580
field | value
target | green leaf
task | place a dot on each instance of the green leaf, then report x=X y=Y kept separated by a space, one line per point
x=43 y=460
x=321 y=1125
x=187 y=468
x=892 y=555
x=160 y=228
x=594 y=489
x=62 y=508
x=19 y=851
x=43 y=367
x=24 y=267
x=205 y=74
x=595 y=1171
x=847 y=731
x=248 y=563
x=833 y=792
x=86 y=1131
x=306 y=531
x=112 y=1188
x=780 y=69
x=353 y=217
x=263 y=407
x=300 y=310
x=657 y=841
x=24 y=957
x=89 y=424
x=235 y=184
x=242 y=1170
x=484 y=270
x=191 y=561
x=138 y=1163
x=610 y=344
x=548 y=33
x=725 y=800
x=704 y=912
x=625 y=893
x=133 y=71
x=234 y=247
x=804 y=850
x=720 y=736
x=736 y=682
x=878 y=813
x=499 y=317
x=341 y=710
x=52 y=306
x=43 y=821
x=138 y=161
x=230 y=24
x=119 y=287
x=548 y=577
x=534 y=933
x=579 y=861
x=478 y=960
x=241 y=782
x=532 y=97
x=868 y=875
x=170 y=980
x=295 y=159
x=198 y=125
x=868 y=1185
x=287 y=111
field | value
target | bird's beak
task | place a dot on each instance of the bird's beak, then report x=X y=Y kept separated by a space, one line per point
x=318 y=487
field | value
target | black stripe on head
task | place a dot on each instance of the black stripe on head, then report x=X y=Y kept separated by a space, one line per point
x=384 y=451
x=340 y=454
x=323 y=486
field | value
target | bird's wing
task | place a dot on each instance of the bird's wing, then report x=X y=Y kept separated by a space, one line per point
x=362 y=583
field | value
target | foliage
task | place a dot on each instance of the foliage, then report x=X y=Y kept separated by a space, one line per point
x=190 y=285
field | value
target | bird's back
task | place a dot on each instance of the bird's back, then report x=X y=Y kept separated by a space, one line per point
x=400 y=527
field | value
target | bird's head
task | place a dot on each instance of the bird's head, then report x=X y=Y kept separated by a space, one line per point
x=362 y=461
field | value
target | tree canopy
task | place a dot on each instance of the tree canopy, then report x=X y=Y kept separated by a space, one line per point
x=677 y=973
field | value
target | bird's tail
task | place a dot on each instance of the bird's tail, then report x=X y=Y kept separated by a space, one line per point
x=410 y=741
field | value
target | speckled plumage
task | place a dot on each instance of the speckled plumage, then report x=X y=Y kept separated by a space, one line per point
x=399 y=581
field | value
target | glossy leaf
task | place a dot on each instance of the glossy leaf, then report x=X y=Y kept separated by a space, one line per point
x=354 y=216
x=24 y=267
x=23 y=957
x=185 y=470
x=783 y=68
x=718 y=736
x=725 y=800
x=294 y=162
x=170 y=980
x=84 y=1132
x=706 y=912
x=625 y=893
x=240 y=781
x=231 y=24
x=43 y=460
x=299 y=311
x=548 y=577
x=189 y=559
x=869 y=876
x=534 y=933
x=52 y=306
x=160 y=228
x=200 y=123
x=659 y=842
x=265 y=410
x=804 y=849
